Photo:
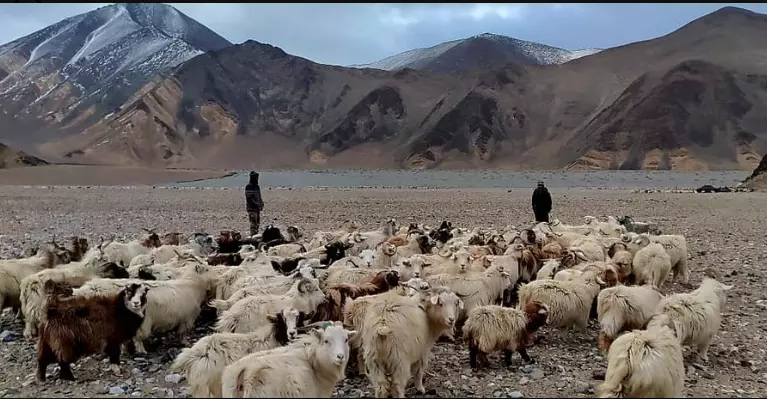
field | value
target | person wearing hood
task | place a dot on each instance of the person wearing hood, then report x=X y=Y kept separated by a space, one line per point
x=253 y=203
x=541 y=203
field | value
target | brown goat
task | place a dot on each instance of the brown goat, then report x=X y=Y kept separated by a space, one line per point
x=152 y=240
x=73 y=327
x=397 y=241
x=336 y=295
x=173 y=238
x=79 y=248
x=528 y=265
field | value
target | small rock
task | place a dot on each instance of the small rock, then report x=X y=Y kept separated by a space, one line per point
x=116 y=391
x=523 y=380
x=173 y=378
x=168 y=393
x=7 y=336
x=537 y=374
x=497 y=394
x=582 y=387
x=746 y=363
x=515 y=394
x=136 y=393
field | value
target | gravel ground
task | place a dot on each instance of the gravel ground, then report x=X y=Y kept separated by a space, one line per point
x=724 y=232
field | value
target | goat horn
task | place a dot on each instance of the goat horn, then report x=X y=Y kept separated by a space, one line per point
x=466 y=296
x=313 y=325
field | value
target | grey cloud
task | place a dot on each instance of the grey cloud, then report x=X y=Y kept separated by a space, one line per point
x=359 y=33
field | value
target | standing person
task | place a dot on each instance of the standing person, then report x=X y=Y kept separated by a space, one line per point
x=253 y=203
x=541 y=203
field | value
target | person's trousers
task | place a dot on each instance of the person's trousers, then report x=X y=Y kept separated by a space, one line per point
x=255 y=221
x=541 y=216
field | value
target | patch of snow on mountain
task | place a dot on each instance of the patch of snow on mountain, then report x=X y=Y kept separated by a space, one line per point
x=410 y=57
x=538 y=53
x=119 y=26
x=112 y=50
x=582 y=53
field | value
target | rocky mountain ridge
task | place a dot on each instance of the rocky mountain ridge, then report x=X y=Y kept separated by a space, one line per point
x=691 y=100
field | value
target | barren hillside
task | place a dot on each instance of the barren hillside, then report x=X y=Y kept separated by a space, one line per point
x=690 y=100
x=10 y=158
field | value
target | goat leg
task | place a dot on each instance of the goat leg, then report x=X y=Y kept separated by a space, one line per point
x=66 y=372
x=507 y=357
x=473 y=351
x=523 y=352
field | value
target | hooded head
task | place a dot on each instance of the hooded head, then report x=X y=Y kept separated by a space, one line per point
x=253 y=177
x=540 y=184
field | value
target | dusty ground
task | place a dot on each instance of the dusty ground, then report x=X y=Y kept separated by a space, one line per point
x=724 y=232
x=85 y=175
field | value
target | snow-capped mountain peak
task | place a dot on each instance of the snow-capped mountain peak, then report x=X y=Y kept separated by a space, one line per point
x=525 y=51
x=101 y=56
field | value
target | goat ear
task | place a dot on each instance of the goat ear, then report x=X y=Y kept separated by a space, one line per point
x=351 y=333
x=434 y=299
x=272 y=318
x=406 y=262
x=460 y=304
x=122 y=264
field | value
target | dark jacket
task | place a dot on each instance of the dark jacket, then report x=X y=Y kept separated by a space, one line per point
x=541 y=200
x=253 y=201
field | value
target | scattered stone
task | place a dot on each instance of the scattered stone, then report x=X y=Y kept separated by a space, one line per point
x=7 y=336
x=116 y=391
x=173 y=378
x=515 y=394
x=523 y=380
x=582 y=387
x=136 y=393
x=537 y=374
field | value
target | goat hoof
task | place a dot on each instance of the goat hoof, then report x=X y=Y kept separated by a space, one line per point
x=114 y=369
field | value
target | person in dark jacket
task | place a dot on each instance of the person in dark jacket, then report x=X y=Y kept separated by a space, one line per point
x=541 y=203
x=253 y=203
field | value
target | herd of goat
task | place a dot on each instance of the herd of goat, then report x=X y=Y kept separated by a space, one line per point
x=293 y=311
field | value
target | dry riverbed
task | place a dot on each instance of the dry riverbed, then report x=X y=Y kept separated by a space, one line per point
x=725 y=232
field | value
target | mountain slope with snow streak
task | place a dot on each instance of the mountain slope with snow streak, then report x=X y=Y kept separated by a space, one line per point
x=486 y=50
x=87 y=65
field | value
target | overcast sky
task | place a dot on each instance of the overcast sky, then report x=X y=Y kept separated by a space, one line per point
x=346 y=34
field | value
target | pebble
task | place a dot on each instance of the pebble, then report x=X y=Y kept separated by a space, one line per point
x=537 y=374
x=523 y=380
x=582 y=387
x=116 y=391
x=174 y=378
x=515 y=394
x=7 y=336
x=136 y=393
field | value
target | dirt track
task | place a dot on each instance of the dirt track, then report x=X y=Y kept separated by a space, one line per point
x=724 y=232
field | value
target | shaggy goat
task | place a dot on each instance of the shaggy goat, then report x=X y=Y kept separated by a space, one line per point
x=76 y=326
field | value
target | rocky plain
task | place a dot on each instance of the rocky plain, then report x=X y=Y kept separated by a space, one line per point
x=725 y=234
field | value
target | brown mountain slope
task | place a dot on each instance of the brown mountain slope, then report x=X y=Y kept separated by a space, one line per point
x=695 y=116
x=10 y=158
x=302 y=110
x=692 y=99
x=758 y=179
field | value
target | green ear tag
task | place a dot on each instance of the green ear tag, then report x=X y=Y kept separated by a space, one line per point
x=327 y=324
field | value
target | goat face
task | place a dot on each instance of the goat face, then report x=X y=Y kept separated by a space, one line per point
x=135 y=298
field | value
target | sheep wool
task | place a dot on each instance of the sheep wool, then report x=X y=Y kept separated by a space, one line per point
x=644 y=364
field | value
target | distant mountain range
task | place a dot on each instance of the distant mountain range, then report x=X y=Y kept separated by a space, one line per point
x=143 y=84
